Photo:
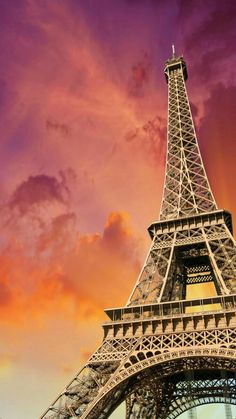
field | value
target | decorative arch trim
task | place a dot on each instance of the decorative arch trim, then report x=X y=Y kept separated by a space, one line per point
x=130 y=368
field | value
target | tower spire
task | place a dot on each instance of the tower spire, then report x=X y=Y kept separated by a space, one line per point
x=173 y=51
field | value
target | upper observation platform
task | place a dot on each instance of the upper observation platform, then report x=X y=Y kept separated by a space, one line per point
x=175 y=63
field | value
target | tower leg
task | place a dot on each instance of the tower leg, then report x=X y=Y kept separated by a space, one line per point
x=192 y=413
x=228 y=411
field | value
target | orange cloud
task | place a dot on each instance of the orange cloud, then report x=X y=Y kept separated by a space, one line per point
x=106 y=264
x=76 y=275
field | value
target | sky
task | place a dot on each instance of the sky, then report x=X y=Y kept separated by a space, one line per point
x=83 y=109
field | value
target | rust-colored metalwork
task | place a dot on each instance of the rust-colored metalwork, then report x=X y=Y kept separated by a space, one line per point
x=167 y=351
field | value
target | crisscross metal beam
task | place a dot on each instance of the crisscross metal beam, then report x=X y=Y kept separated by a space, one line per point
x=164 y=352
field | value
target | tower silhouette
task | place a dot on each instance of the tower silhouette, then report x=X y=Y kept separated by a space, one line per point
x=172 y=347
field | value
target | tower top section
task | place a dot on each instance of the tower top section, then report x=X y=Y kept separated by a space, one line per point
x=187 y=190
x=175 y=63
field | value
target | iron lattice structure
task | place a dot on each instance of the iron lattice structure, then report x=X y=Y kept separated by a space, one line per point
x=168 y=350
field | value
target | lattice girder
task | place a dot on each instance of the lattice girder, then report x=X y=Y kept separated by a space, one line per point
x=209 y=234
x=175 y=394
x=187 y=190
x=155 y=347
x=121 y=385
x=156 y=340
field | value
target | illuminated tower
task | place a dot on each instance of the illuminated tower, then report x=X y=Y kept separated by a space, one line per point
x=173 y=345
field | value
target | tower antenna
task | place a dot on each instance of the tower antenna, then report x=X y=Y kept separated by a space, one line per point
x=173 y=51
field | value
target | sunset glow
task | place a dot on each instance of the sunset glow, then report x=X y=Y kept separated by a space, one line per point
x=83 y=142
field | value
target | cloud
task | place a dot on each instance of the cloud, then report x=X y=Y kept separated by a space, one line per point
x=213 y=20
x=76 y=108
x=37 y=230
x=61 y=128
x=104 y=267
x=140 y=74
x=116 y=229
x=37 y=190
x=75 y=275
x=207 y=31
x=217 y=134
x=150 y=138
x=6 y=294
x=59 y=234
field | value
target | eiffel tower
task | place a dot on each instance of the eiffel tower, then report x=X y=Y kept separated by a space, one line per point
x=172 y=347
